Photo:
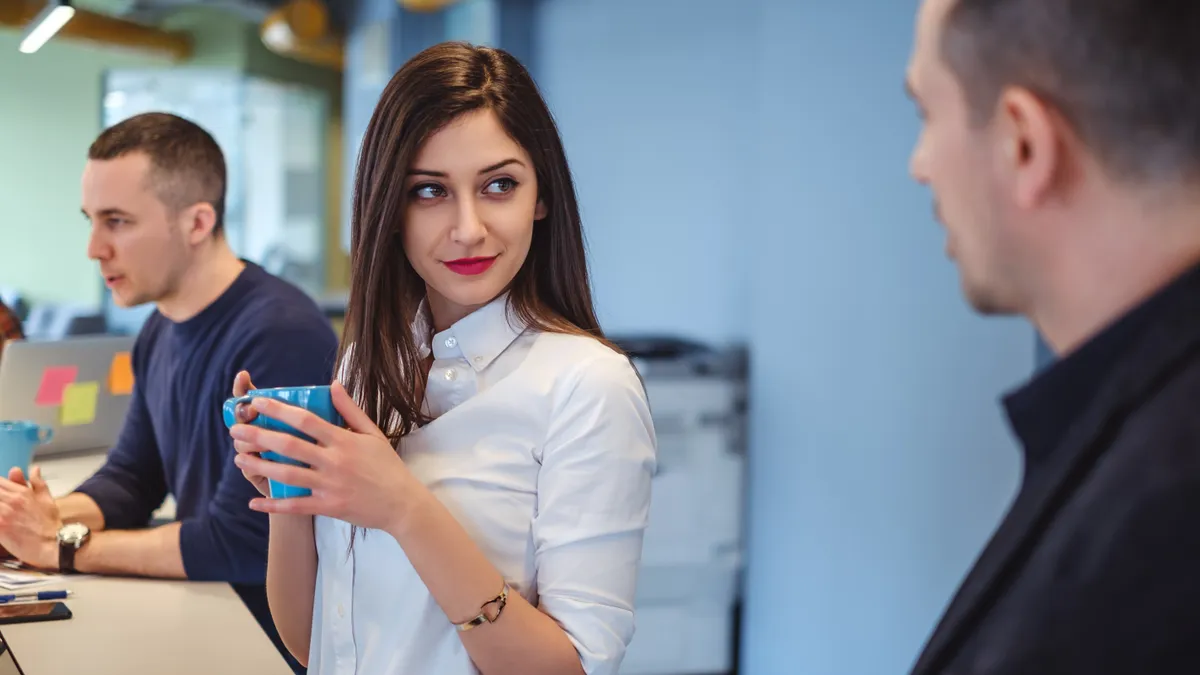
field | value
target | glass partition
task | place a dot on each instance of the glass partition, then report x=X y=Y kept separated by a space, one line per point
x=272 y=135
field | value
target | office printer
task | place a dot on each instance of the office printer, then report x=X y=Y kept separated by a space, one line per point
x=688 y=587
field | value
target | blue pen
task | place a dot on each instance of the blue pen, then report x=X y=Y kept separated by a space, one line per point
x=40 y=595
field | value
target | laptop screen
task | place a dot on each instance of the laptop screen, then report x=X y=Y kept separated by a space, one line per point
x=79 y=387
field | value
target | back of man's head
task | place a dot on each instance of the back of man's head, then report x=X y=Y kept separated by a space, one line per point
x=187 y=165
x=1124 y=74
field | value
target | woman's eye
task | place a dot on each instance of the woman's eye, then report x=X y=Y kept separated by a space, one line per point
x=428 y=191
x=500 y=186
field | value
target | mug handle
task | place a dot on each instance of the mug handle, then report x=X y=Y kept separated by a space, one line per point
x=229 y=410
x=44 y=435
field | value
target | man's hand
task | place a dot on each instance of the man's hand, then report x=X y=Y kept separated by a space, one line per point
x=29 y=519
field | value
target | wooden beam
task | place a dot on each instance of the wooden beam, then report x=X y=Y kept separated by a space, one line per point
x=103 y=29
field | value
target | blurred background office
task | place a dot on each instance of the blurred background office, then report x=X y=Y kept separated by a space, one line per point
x=833 y=453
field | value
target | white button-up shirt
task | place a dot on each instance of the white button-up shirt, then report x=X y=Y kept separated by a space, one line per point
x=543 y=448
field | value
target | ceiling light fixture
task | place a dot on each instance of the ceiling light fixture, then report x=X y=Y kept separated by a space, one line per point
x=49 y=21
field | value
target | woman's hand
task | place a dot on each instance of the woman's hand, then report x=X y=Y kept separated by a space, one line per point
x=355 y=474
x=246 y=415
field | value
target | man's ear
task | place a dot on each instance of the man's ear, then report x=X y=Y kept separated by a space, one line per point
x=198 y=221
x=1032 y=146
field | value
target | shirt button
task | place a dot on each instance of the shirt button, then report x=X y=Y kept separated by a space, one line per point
x=451 y=374
x=341 y=610
x=451 y=342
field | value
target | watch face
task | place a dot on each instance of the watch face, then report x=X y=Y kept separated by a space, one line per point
x=73 y=533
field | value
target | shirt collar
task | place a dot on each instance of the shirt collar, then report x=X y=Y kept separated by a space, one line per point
x=1043 y=411
x=478 y=337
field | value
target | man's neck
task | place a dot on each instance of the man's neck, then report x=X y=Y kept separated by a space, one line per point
x=211 y=274
x=1127 y=256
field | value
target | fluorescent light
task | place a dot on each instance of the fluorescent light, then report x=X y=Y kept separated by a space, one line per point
x=49 y=21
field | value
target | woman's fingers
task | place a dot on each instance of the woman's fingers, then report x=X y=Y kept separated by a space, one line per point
x=276 y=441
x=282 y=472
x=299 y=419
x=246 y=448
x=241 y=385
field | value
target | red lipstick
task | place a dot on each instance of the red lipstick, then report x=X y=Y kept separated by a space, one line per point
x=470 y=266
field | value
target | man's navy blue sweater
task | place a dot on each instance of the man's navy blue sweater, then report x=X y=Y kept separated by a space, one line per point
x=175 y=442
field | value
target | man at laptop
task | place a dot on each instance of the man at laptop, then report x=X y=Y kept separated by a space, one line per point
x=153 y=191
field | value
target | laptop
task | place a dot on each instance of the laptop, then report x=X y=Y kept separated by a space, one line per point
x=80 y=387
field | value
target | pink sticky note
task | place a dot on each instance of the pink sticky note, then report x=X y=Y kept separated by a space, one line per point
x=54 y=380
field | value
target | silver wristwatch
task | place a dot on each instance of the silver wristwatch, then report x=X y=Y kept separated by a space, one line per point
x=71 y=537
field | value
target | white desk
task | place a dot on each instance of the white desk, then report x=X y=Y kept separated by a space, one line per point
x=141 y=626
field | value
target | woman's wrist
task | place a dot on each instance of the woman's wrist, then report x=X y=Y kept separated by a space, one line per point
x=415 y=509
x=458 y=574
x=287 y=523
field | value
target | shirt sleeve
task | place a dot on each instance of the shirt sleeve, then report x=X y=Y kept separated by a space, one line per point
x=593 y=508
x=132 y=483
x=228 y=541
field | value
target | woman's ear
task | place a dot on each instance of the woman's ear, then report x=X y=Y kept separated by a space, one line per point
x=539 y=212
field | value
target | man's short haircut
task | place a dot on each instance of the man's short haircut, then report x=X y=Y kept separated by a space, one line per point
x=1125 y=74
x=187 y=165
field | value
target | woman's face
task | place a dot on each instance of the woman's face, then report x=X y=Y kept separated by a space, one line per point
x=472 y=198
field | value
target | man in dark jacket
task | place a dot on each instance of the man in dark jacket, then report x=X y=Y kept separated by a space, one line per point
x=1061 y=141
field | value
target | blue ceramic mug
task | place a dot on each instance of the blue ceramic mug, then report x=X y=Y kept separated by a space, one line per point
x=316 y=400
x=17 y=441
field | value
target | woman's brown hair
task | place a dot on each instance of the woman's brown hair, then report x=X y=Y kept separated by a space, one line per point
x=379 y=361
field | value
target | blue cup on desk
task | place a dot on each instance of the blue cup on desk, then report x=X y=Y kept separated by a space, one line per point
x=17 y=441
x=316 y=400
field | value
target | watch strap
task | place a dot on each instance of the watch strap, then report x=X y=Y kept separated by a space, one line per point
x=68 y=547
x=66 y=556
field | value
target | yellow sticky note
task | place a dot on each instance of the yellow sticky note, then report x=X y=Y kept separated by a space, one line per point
x=79 y=403
x=120 y=375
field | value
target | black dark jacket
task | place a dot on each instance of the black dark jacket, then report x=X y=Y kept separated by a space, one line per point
x=1095 y=569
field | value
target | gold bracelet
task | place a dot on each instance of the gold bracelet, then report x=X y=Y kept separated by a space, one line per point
x=499 y=601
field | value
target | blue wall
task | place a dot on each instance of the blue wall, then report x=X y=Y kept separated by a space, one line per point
x=754 y=154
x=656 y=119
x=883 y=462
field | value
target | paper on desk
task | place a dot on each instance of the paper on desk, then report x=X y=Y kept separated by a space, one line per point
x=13 y=576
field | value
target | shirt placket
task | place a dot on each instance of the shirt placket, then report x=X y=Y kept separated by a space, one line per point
x=345 y=650
x=452 y=379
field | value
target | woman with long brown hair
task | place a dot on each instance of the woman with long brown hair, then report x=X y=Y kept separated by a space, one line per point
x=483 y=512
